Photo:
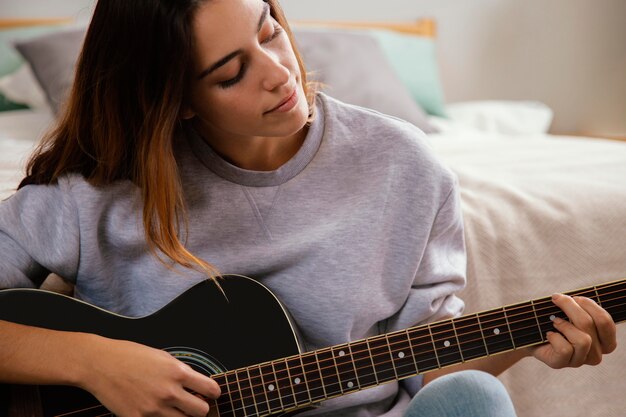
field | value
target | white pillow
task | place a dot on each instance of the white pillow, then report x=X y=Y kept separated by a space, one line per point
x=22 y=87
x=505 y=117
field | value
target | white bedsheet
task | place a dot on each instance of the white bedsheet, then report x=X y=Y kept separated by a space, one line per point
x=543 y=214
x=19 y=132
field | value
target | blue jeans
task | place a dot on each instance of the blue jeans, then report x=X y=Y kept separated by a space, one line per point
x=462 y=394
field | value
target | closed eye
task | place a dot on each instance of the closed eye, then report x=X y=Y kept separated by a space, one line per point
x=277 y=31
x=229 y=83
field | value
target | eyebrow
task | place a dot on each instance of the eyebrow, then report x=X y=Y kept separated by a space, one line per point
x=232 y=55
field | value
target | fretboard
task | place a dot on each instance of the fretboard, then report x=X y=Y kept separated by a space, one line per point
x=301 y=380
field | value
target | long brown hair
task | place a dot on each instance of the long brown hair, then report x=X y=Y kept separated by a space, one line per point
x=124 y=109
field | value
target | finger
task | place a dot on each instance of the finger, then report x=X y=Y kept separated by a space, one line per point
x=557 y=353
x=192 y=405
x=576 y=314
x=170 y=412
x=605 y=325
x=577 y=338
x=201 y=384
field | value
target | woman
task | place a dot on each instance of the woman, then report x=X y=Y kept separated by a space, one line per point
x=198 y=115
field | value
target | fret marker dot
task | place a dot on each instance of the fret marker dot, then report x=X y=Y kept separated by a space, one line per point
x=401 y=355
x=297 y=380
x=552 y=317
x=496 y=331
x=446 y=343
x=342 y=353
x=350 y=384
x=271 y=387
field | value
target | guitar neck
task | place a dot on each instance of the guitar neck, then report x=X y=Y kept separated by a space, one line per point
x=301 y=380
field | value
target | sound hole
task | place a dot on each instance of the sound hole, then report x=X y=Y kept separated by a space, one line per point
x=199 y=361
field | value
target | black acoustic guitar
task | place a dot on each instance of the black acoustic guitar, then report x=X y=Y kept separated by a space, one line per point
x=255 y=357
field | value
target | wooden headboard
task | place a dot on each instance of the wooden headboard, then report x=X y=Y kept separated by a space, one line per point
x=421 y=27
x=21 y=23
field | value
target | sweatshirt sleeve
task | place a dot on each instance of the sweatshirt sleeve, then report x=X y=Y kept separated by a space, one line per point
x=441 y=273
x=38 y=234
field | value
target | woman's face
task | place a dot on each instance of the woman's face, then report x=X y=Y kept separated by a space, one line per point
x=244 y=68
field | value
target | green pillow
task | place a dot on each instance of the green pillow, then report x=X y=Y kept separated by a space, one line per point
x=415 y=62
x=6 y=104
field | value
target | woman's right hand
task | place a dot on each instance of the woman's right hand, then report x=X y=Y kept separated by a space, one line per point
x=134 y=380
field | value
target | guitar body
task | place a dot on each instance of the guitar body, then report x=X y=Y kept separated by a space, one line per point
x=205 y=328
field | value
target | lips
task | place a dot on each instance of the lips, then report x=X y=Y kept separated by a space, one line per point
x=283 y=101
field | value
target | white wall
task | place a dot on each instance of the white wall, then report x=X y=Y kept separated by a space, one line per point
x=79 y=9
x=570 y=54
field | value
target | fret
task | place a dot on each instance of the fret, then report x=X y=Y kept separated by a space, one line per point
x=446 y=344
x=235 y=393
x=456 y=336
x=508 y=326
x=298 y=381
x=401 y=354
x=258 y=390
x=313 y=376
x=383 y=364
x=247 y=383
x=548 y=311
x=543 y=335
x=345 y=368
x=224 y=403
x=524 y=325
x=423 y=347
x=613 y=298
x=363 y=363
x=330 y=378
x=285 y=389
x=393 y=365
x=358 y=383
x=470 y=337
x=408 y=338
x=595 y=289
x=495 y=331
x=270 y=387
x=249 y=407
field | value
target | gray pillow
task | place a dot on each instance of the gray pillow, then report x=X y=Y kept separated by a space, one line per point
x=352 y=65
x=53 y=58
x=356 y=71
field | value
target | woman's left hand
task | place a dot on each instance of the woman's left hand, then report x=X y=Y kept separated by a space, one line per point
x=589 y=333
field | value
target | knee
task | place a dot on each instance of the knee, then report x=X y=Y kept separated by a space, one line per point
x=476 y=384
x=467 y=393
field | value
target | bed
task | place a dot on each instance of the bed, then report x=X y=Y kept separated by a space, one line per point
x=543 y=213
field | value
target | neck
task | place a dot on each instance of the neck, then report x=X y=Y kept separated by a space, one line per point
x=257 y=153
x=310 y=377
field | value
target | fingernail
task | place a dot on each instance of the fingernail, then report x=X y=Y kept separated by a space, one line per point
x=558 y=320
x=556 y=296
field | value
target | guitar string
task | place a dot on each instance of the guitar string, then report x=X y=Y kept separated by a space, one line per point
x=550 y=306
x=71 y=413
x=386 y=354
x=254 y=396
x=244 y=406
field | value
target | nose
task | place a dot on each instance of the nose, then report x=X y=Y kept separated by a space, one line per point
x=275 y=74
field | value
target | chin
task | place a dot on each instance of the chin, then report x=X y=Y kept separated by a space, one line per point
x=293 y=122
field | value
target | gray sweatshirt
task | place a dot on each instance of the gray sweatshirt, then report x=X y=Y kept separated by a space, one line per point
x=359 y=233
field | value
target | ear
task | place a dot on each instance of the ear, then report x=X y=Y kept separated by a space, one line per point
x=187 y=113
